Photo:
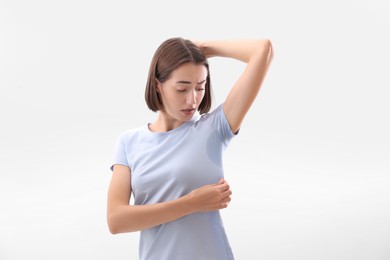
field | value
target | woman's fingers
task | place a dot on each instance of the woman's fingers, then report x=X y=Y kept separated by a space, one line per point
x=223 y=186
x=211 y=197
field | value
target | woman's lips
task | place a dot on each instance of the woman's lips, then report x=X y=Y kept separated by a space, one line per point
x=188 y=111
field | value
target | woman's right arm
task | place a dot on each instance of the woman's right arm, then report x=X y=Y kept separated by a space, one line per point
x=122 y=217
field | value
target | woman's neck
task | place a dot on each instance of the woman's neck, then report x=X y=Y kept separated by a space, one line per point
x=164 y=123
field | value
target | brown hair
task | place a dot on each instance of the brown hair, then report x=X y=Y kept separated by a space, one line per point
x=171 y=54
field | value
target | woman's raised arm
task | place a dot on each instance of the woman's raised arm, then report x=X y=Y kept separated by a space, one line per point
x=258 y=54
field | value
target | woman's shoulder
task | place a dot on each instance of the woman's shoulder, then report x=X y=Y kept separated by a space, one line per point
x=132 y=133
x=211 y=115
x=213 y=112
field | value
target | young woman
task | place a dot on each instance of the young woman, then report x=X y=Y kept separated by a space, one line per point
x=173 y=166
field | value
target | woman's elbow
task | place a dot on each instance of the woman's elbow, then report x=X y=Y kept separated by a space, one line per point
x=268 y=48
x=265 y=43
x=116 y=225
x=263 y=51
x=112 y=225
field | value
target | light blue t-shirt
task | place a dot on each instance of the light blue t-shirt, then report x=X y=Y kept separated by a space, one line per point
x=168 y=165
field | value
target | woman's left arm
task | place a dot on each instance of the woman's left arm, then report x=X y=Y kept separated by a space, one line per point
x=258 y=55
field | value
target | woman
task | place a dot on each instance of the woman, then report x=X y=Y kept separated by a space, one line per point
x=173 y=166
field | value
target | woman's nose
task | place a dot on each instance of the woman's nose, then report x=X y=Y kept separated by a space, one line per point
x=191 y=97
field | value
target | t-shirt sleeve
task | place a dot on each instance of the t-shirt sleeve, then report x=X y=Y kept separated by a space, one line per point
x=120 y=151
x=222 y=124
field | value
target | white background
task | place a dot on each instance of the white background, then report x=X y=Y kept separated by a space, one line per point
x=310 y=169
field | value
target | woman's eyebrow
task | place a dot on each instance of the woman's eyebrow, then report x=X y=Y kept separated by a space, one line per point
x=189 y=82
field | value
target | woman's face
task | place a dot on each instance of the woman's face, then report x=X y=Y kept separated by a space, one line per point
x=183 y=92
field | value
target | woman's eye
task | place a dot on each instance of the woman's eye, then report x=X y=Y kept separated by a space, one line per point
x=181 y=90
x=200 y=89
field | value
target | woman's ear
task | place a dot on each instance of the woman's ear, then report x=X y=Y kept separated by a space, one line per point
x=158 y=85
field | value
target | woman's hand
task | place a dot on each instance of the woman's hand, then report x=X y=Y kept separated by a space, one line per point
x=202 y=47
x=210 y=197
